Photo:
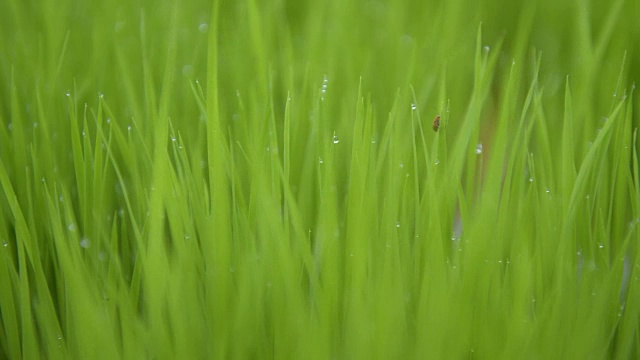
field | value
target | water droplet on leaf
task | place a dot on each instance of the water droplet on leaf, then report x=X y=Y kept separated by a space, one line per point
x=478 y=149
x=85 y=243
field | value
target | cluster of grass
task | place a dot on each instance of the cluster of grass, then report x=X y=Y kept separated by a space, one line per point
x=246 y=179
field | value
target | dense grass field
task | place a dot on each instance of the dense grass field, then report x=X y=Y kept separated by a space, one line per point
x=261 y=179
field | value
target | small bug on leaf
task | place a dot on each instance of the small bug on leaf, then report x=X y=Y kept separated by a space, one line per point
x=436 y=123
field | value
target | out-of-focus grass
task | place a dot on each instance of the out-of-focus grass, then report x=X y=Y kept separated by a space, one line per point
x=243 y=179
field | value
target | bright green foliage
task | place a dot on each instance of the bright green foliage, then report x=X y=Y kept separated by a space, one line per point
x=260 y=179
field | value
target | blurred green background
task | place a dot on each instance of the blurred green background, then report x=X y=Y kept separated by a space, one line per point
x=259 y=179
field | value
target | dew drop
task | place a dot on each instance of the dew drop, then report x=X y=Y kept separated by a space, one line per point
x=129 y=128
x=85 y=243
x=118 y=26
x=71 y=227
x=373 y=140
x=478 y=149
x=187 y=71
x=401 y=165
x=406 y=40
x=4 y=244
x=67 y=94
x=531 y=179
x=437 y=161
x=320 y=161
x=600 y=246
x=397 y=224
x=203 y=28
x=413 y=106
x=323 y=90
x=42 y=179
x=487 y=48
x=335 y=139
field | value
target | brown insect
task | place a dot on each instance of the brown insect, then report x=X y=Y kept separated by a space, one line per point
x=436 y=123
